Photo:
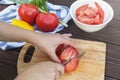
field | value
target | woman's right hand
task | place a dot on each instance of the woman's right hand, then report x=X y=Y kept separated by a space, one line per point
x=42 y=71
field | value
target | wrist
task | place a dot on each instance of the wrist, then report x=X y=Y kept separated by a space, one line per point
x=33 y=37
x=30 y=37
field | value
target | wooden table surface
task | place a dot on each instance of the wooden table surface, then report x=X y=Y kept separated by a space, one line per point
x=110 y=35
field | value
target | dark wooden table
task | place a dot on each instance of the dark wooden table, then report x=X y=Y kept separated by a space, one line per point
x=110 y=35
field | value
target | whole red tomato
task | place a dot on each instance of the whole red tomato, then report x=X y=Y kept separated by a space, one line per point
x=69 y=53
x=47 y=22
x=28 y=12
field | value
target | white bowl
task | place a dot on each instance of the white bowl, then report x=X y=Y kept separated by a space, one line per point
x=108 y=14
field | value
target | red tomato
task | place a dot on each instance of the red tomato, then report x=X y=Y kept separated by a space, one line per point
x=85 y=19
x=47 y=22
x=28 y=12
x=89 y=15
x=67 y=54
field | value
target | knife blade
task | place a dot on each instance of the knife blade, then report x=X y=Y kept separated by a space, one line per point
x=78 y=56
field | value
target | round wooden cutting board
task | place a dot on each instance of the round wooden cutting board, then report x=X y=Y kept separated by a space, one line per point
x=91 y=65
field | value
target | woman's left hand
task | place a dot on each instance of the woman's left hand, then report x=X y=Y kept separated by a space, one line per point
x=49 y=42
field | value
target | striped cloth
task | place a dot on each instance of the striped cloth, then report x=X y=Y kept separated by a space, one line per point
x=10 y=12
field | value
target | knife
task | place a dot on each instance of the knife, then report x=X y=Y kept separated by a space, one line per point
x=78 y=56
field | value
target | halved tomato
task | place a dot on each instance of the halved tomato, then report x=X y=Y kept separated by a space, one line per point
x=69 y=53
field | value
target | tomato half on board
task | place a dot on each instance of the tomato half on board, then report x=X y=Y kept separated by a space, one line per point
x=90 y=15
x=69 y=53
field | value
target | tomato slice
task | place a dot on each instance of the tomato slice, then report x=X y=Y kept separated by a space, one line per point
x=81 y=9
x=100 y=11
x=90 y=12
x=97 y=20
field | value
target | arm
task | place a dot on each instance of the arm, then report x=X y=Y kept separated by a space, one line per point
x=45 y=42
x=12 y=33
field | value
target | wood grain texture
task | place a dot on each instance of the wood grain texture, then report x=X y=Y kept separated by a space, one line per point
x=91 y=65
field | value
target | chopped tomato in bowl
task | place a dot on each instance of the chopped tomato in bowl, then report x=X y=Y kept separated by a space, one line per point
x=91 y=15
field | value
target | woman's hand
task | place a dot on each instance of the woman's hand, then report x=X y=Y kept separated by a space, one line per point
x=45 y=42
x=49 y=42
x=42 y=71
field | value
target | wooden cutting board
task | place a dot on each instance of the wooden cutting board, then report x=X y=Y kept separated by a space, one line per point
x=91 y=65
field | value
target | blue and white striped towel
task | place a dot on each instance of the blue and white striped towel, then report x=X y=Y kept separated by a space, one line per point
x=10 y=12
